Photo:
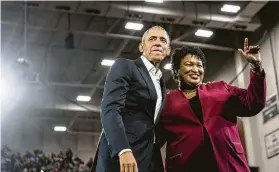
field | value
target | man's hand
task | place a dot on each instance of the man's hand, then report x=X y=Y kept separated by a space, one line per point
x=128 y=162
x=251 y=53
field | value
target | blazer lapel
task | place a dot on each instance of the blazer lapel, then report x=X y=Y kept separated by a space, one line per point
x=146 y=77
x=163 y=88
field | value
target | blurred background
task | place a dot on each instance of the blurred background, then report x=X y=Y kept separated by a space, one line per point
x=55 y=57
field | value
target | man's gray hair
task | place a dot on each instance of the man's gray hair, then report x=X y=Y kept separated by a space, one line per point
x=153 y=27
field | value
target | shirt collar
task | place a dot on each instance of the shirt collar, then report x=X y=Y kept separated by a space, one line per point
x=150 y=67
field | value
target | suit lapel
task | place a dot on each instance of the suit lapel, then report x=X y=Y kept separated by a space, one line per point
x=163 y=88
x=93 y=168
x=146 y=77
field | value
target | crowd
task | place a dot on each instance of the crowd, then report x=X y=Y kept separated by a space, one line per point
x=38 y=161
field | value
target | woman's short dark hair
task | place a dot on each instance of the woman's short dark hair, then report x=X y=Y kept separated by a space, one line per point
x=180 y=53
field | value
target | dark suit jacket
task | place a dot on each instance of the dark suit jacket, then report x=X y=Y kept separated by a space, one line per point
x=221 y=104
x=127 y=115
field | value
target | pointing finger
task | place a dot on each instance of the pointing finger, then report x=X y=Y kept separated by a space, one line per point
x=246 y=44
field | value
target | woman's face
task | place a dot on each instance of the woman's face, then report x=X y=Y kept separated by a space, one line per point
x=191 y=70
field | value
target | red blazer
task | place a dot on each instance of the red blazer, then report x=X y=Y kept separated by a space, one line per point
x=221 y=104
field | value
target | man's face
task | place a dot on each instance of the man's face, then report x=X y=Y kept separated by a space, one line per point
x=155 y=46
x=191 y=70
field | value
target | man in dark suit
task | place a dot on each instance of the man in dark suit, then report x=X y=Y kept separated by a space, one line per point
x=133 y=98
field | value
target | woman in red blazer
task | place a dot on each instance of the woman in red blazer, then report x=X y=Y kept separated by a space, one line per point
x=199 y=121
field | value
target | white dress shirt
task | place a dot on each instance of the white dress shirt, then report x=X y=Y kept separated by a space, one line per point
x=155 y=76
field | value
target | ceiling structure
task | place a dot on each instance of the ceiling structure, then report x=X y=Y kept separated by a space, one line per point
x=56 y=71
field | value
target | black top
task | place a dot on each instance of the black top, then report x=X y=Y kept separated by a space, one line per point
x=203 y=159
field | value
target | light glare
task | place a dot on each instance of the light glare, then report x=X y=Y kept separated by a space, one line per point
x=230 y=8
x=83 y=98
x=204 y=33
x=60 y=128
x=107 y=62
x=155 y=1
x=133 y=26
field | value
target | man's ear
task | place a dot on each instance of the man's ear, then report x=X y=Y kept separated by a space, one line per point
x=141 y=47
x=168 y=51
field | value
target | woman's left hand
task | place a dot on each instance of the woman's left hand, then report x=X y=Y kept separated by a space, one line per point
x=250 y=53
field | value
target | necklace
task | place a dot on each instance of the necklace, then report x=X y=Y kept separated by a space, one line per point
x=189 y=94
x=186 y=88
x=188 y=91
